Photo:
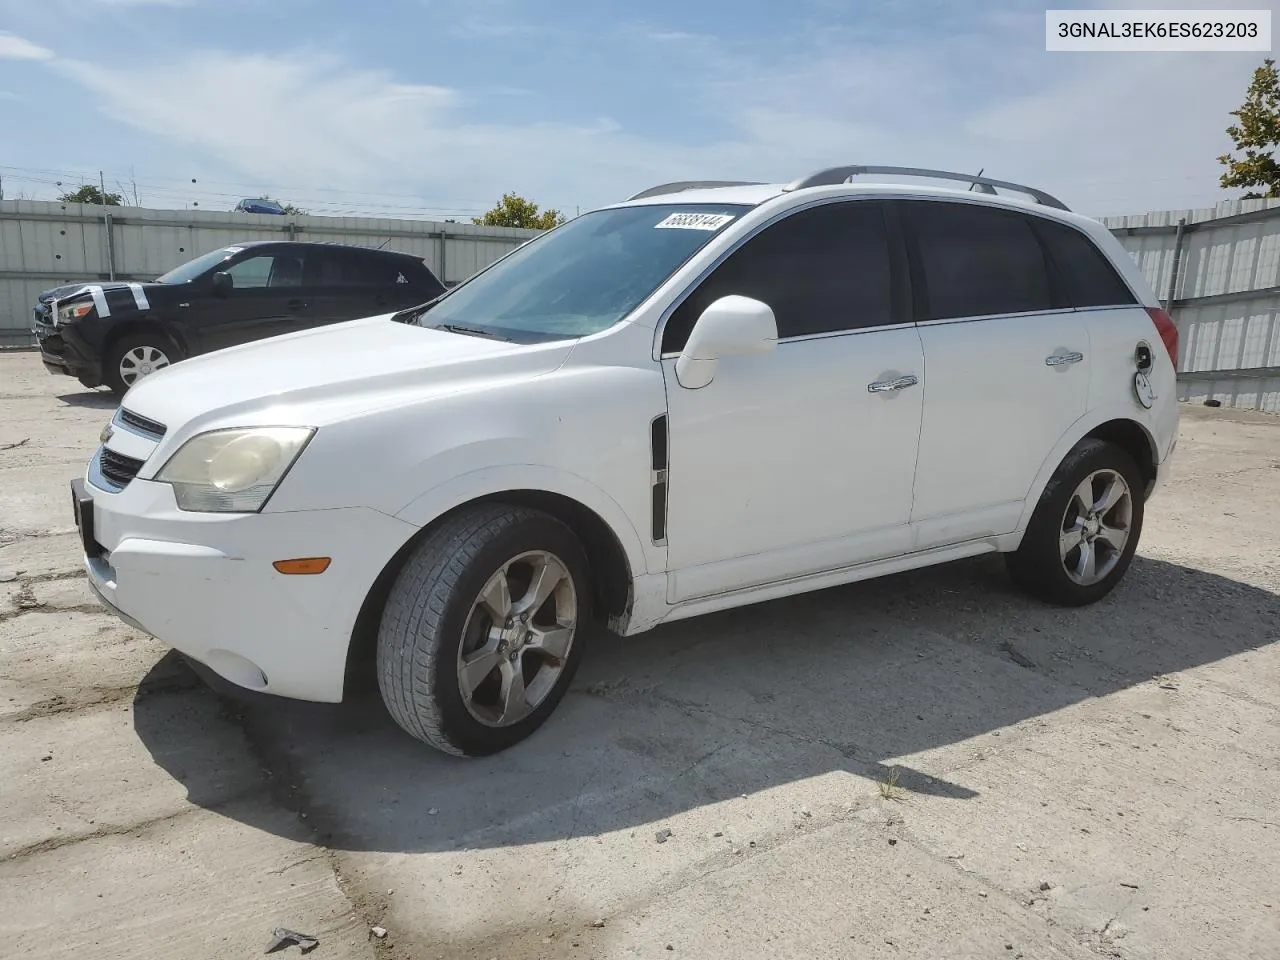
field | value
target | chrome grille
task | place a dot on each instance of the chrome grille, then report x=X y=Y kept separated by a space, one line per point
x=117 y=468
x=142 y=424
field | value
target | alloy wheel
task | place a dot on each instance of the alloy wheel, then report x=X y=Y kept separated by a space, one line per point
x=517 y=638
x=1096 y=527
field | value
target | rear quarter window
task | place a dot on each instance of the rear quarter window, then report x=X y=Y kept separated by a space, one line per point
x=417 y=273
x=1085 y=276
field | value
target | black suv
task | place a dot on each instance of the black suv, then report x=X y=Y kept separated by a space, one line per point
x=115 y=333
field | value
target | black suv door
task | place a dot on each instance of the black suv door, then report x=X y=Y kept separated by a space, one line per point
x=266 y=298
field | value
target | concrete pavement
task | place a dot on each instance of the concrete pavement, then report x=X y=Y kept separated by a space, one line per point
x=928 y=765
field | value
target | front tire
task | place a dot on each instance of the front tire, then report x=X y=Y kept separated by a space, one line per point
x=482 y=632
x=136 y=356
x=1085 y=529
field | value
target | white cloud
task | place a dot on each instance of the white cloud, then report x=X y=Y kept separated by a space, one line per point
x=14 y=47
x=1106 y=132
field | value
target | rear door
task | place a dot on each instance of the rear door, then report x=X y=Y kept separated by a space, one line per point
x=1123 y=336
x=1008 y=365
x=266 y=300
x=329 y=283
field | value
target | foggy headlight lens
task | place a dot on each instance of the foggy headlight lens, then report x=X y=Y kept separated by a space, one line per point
x=232 y=471
x=74 y=311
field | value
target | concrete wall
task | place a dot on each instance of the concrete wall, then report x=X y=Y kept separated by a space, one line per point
x=44 y=244
x=1225 y=301
x=1226 y=295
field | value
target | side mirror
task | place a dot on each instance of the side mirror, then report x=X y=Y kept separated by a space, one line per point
x=223 y=283
x=733 y=326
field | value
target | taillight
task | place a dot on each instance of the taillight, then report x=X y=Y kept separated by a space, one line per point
x=1168 y=332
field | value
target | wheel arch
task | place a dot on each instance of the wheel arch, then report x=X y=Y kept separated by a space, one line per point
x=1117 y=427
x=612 y=570
x=143 y=324
x=1134 y=440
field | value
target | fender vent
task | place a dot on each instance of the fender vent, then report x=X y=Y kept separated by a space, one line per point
x=658 y=477
x=658 y=442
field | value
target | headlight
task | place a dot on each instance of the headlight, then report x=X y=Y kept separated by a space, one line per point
x=232 y=471
x=74 y=311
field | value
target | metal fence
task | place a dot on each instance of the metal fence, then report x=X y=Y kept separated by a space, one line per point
x=44 y=244
x=1218 y=271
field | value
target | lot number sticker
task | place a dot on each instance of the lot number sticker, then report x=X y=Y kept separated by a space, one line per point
x=694 y=221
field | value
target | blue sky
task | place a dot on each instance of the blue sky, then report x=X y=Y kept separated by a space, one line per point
x=437 y=107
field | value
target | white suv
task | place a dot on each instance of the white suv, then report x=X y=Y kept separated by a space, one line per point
x=709 y=395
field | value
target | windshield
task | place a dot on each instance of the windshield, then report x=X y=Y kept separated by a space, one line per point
x=583 y=277
x=193 y=268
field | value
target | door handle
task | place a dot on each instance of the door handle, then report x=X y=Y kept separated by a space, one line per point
x=1060 y=359
x=891 y=386
x=296 y=304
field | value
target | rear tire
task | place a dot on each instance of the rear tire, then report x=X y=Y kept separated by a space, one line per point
x=482 y=631
x=135 y=356
x=1085 y=529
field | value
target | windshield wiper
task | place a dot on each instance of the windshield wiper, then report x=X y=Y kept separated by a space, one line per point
x=469 y=331
x=414 y=314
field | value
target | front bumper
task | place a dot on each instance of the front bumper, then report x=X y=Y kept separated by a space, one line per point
x=62 y=354
x=204 y=583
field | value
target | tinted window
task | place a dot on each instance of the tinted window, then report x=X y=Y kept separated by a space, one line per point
x=371 y=271
x=343 y=269
x=976 y=261
x=1085 y=275
x=324 y=270
x=821 y=270
x=417 y=273
x=275 y=271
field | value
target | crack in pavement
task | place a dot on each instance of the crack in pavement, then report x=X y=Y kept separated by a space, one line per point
x=121 y=830
x=36 y=606
x=281 y=779
x=102 y=696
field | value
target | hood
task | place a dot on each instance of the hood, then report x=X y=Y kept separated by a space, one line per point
x=110 y=297
x=331 y=372
x=67 y=289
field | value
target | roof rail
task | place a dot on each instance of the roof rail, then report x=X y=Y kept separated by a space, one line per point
x=681 y=185
x=835 y=175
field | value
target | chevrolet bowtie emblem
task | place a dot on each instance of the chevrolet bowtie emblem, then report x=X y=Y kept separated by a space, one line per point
x=106 y=434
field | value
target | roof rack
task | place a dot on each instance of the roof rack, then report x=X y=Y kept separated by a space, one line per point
x=836 y=175
x=682 y=185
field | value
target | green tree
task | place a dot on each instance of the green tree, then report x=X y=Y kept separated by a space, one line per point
x=515 y=211
x=1257 y=134
x=91 y=194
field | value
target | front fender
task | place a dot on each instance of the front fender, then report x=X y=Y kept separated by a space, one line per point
x=494 y=480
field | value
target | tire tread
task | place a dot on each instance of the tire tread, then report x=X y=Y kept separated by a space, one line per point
x=414 y=612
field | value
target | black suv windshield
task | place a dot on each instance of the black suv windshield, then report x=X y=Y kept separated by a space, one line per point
x=193 y=268
x=582 y=277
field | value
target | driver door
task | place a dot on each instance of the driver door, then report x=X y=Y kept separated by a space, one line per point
x=266 y=299
x=799 y=461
